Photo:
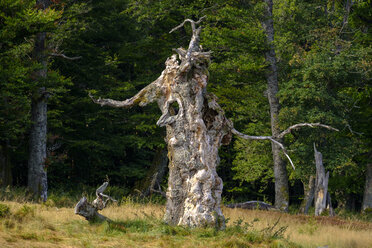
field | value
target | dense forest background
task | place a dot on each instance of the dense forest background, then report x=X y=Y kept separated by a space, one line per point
x=113 y=48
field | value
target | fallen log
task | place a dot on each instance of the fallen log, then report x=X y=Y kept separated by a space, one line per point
x=90 y=210
x=254 y=205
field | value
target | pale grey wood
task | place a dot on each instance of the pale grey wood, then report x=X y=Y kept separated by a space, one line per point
x=90 y=210
x=321 y=182
x=194 y=134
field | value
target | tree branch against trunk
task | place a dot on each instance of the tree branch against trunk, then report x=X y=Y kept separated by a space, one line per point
x=194 y=135
x=309 y=192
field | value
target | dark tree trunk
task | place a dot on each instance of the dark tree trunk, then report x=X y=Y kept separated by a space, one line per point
x=37 y=174
x=367 y=197
x=155 y=175
x=309 y=192
x=5 y=166
x=280 y=170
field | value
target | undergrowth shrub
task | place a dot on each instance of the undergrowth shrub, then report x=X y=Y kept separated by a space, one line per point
x=4 y=210
x=274 y=231
x=24 y=212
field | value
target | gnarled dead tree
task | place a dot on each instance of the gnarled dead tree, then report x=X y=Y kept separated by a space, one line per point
x=322 y=196
x=90 y=210
x=194 y=134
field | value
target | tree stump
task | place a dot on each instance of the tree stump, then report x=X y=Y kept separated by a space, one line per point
x=322 y=197
x=90 y=210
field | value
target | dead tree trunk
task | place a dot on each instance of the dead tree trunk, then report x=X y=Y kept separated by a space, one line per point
x=37 y=174
x=367 y=197
x=280 y=170
x=322 y=197
x=90 y=210
x=194 y=134
x=309 y=192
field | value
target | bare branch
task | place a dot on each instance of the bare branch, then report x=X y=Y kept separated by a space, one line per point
x=188 y=20
x=352 y=131
x=147 y=95
x=64 y=56
x=244 y=136
x=288 y=130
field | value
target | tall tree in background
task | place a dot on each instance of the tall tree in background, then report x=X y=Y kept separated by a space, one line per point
x=280 y=170
x=37 y=174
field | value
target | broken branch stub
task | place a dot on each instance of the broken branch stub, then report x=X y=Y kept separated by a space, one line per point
x=90 y=210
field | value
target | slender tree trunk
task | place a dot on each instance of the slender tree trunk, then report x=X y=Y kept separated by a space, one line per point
x=5 y=166
x=309 y=192
x=37 y=175
x=280 y=170
x=367 y=198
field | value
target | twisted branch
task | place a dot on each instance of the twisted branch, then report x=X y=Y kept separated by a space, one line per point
x=282 y=134
x=64 y=56
x=244 y=136
x=296 y=126
x=147 y=95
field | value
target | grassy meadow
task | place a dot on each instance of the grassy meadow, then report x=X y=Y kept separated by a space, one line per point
x=140 y=225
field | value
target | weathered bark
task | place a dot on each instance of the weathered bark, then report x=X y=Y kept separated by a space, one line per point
x=309 y=192
x=280 y=170
x=322 y=197
x=37 y=174
x=367 y=197
x=90 y=210
x=254 y=205
x=194 y=134
x=5 y=166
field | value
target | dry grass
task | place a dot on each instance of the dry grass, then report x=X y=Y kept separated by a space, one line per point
x=140 y=226
x=310 y=231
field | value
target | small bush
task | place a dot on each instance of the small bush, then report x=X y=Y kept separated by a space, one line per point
x=4 y=210
x=24 y=212
x=274 y=231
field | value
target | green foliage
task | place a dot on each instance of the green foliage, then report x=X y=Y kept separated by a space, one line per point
x=4 y=210
x=324 y=75
x=25 y=212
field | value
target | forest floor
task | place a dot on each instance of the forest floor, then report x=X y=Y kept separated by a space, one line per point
x=140 y=225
